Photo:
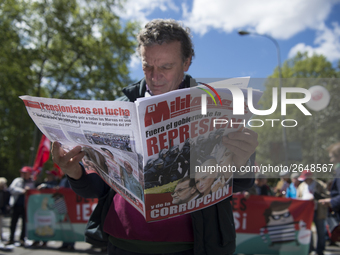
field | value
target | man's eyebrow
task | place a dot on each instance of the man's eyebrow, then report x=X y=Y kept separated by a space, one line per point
x=167 y=65
x=145 y=63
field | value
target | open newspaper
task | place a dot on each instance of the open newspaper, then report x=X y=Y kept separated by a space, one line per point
x=147 y=150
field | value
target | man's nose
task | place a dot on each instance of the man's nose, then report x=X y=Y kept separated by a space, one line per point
x=156 y=74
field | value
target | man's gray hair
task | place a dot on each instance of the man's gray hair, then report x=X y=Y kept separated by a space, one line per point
x=158 y=31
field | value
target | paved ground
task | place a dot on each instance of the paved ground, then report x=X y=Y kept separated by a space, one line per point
x=50 y=249
x=80 y=247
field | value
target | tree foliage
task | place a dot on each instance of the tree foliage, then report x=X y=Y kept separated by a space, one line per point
x=57 y=48
x=313 y=133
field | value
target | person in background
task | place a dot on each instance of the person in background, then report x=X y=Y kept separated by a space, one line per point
x=51 y=181
x=283 y=184
x=291 y=190
x=260 y=187
x=18 y=188
x=334 y=201
x=4 y=203
x=313 y=189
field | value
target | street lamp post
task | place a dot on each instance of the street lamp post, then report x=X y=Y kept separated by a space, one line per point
x=284 y=135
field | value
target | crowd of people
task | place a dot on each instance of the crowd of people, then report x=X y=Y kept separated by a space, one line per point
x=304 y=185
x=12 y=203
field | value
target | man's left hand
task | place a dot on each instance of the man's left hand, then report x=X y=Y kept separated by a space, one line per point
x=242 y=144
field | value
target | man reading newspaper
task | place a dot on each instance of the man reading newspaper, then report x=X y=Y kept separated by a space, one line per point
x=166 y=50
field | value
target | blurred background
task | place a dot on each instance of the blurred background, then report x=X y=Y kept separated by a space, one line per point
x=85 y=49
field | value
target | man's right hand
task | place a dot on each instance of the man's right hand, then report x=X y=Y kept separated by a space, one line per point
x=68 y=162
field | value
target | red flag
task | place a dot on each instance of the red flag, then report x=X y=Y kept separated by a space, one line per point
x=42 y=156
x=60 y=173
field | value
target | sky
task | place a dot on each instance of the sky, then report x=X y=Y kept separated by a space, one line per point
x=296 y=25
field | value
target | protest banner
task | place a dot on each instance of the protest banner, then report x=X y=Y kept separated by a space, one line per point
x=57 y=214
x=272 y=225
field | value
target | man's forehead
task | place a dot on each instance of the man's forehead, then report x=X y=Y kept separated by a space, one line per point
x=164 y=53
x=160 y=62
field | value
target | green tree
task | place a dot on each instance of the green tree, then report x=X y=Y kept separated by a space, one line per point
x=314 y=133
x=63 y=49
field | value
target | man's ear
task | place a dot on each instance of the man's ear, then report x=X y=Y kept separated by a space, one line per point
x=186 y=64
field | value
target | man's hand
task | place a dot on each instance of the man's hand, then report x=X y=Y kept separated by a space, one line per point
x=325 y=202
x=68 y=162
x=242 y=144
